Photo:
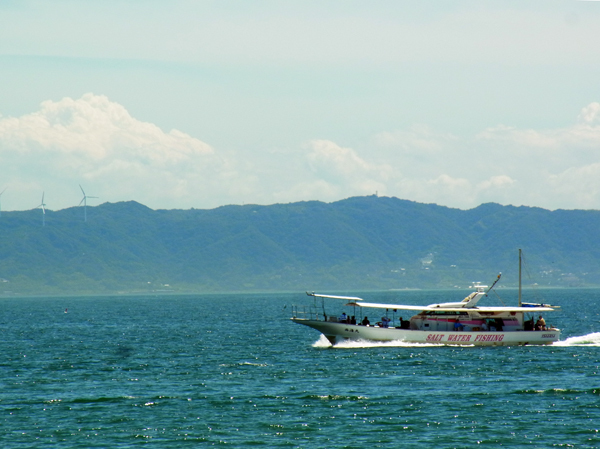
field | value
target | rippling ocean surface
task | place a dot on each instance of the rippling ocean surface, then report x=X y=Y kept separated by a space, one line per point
x=232 y=370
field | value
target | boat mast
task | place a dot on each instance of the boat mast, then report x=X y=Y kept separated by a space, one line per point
x=519 y=277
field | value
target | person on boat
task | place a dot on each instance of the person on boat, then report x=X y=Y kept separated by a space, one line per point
x=343 y=318
x=385 y=321
x=365 y=321
x=457 y=325
x=353 y=320
x=484 y=326
x=499 y=324
x=540 y=324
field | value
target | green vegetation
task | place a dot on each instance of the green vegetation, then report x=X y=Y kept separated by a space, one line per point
x=355 y=244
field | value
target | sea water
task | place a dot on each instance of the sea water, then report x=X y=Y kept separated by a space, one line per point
x=233 y=370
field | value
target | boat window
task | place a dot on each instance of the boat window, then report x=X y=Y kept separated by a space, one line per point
x=444 y=313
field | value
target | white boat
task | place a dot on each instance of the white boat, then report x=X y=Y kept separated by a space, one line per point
x=451 y=323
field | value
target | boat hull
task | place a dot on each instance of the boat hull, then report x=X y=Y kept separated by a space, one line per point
x=338 y=332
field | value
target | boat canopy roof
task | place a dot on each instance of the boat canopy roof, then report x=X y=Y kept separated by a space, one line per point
x=440 y=307
x=448 y=307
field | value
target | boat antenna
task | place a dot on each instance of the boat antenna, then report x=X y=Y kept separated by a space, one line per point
x=520 y=277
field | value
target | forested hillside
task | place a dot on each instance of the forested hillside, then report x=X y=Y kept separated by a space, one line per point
x=358 y=243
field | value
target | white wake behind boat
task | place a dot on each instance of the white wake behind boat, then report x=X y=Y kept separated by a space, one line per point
x=451 y=323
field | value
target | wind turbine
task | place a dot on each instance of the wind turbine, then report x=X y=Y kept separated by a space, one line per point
x=0 y=202
x=43 y=206
x=84 y=201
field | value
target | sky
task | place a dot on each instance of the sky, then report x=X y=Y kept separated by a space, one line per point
x=197 y=104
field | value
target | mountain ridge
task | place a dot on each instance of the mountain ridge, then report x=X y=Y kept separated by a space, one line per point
x=353 y=244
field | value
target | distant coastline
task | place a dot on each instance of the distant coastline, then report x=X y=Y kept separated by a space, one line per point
x=361 y=243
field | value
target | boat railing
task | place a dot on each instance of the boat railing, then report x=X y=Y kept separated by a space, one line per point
x=305 y=312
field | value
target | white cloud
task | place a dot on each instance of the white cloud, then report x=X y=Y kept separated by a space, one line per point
x=446 y=182
x=96 y=142
x=576 y=187
x=93 y=127
x=496 y=182
x=551 y=149
x=591 y=113
x=343 y=168
x=552 y=168
x=320 y=170
x=448 y=188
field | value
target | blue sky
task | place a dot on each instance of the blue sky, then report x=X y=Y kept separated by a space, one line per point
x=198 y=104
